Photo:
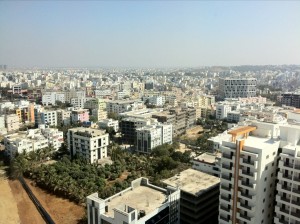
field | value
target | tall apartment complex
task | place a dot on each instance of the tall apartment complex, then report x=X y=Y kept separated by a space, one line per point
x=237 y=87
x=287 y=209
x=248 y=174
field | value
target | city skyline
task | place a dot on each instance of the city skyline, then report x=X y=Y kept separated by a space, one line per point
x=149 y=34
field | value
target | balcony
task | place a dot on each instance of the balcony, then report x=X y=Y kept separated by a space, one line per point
x=247 y=196
x=296 y=202
x=225 y=208
x=280 y=220
x=249 y=185
x=246 y=161
x=226 y=156
x=226 y=177
x=247 y=174
x=224 y=219
x=243 y=206
x=296 y=214
x=225 y=198
x=244 y=217
x=284 y=210
x=296 y=190
x=225 y=188
x=227 y=167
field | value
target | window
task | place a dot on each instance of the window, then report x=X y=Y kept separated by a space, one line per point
x=263 y=211
x=265 y=179
x=265 y=190
x=267 y=157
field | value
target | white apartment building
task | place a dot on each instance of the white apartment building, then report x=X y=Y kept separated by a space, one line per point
x=54 y=136
x=88 y=143
x=237 y=87
x=248 y=174
x=12 y=122
x=208 y=163
x=32 y=140
x=287 y=209
x=52 y=97
x=49 y=117
x=107 y=123
x=222 y=111
x=151 y=136
x=141 y=203
x=118 y=106
x=102 y=93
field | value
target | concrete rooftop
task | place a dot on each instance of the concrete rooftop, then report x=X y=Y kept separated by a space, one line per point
x=140 y=198
x=193 y=181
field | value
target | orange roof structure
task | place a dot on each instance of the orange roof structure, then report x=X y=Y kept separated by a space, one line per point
x=245 y=130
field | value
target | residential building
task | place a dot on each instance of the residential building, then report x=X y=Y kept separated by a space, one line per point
x=141 y=203
x=79 y=115
x=199 y=196
x=48 y=117
x=209 y=163
x=151 y=136
x=248 y=174
x=51 y=98
x=32 y=140
x=12 y=122
x=109 y=123
x=288 y=187
x=63 y=117
x=88 y=143
x=129 y=125
x=119 y=106
x=237 y=87
x=291 y=99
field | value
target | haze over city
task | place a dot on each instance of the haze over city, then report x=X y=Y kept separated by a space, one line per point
x=149 y=34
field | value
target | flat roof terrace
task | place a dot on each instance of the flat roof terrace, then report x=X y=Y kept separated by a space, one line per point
x=140 y=198
x=193 y=181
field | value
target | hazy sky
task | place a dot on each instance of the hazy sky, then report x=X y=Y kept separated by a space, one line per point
x=147 y=33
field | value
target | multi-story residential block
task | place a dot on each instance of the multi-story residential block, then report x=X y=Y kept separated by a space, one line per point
x=48 y=117
x=63 y=117
x=32 y=140
x=237 y=87
x=288 y=187
x=141 y=203
x=12 y=122
x=26 y=113
x=54 y=136
x=124 y=106
x=129 y=125
x=109 y=123
x=88 y=143
x=233 y=116
x=199 y=196
x=151 y=136
x=291 y=99
x=248 y=174
x=208 y=163
x=50 y=98
x=79 y=115
x=79 y=102
x=180 y=125
x=190 y=117
x=222 y=111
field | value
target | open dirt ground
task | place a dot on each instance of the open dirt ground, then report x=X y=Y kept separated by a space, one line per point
x=26 y=211
x=61 y=210
x=193 y=133
x=8 y=205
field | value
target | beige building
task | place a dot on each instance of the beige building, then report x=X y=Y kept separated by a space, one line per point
x=12 y=122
